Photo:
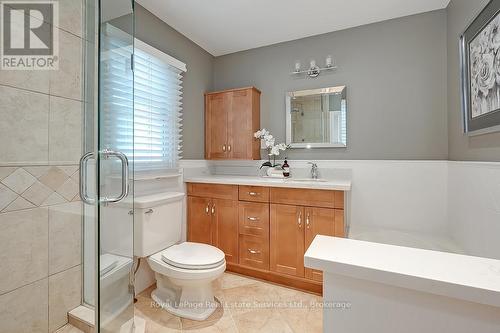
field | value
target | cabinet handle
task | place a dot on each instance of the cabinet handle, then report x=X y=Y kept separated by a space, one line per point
x=307 y=221
x=229 y=148
x=253 y=251
x=213 y=209
x=253 y=193
x=223 y=148
x=207 y=209
x=300 y=220
x=250 y=218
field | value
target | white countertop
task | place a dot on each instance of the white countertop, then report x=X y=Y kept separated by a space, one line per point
x=458 y=276
x=339 y=185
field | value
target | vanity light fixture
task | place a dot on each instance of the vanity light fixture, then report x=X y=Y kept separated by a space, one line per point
x=314 y=70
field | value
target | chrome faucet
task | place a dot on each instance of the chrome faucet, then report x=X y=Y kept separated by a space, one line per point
x=314 y=170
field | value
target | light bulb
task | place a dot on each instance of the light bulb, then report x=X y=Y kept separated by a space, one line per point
x=297 y=66
x=313 y=63
x=329 y=61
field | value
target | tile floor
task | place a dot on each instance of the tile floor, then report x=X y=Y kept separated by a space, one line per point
x=247 y=305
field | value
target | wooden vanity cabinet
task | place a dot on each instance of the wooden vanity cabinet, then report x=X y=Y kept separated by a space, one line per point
x=231 y=118
x=265 y=231
x=214 y=219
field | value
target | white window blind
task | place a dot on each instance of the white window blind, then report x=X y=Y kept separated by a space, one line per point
x=150 y=133
x=157 y=109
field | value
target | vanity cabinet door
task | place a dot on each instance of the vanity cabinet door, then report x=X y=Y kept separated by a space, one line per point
x=321 y=221
x=287 y=239
x=199 y=219
x=225 y=214
x=217 y=107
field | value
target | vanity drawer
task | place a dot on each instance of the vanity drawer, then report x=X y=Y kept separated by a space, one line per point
x=253 y=219
x=254 y=193
x=254 y=252
x=307 y=197
x=216 y=191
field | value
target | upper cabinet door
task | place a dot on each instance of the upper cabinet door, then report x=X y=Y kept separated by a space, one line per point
x=243 y=121
x=231 y=118
x=217 y=108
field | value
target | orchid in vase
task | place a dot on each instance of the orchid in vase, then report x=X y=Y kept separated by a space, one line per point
x=273 y=150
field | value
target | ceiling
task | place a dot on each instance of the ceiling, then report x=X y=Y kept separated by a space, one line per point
x=226 y=26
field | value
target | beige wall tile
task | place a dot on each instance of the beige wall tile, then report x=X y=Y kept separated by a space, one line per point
x=23 y=248
x=65 y=136
x=54 y=178
x=5 y=171
x=54 y=199
x=24 y=126
x=6 y=196
x=19 y=180
x=25 y=310
x=66 y=82
x=38 y=170
x=37 y=193
x=19 y=204
x=70 y=16
x=64 y=295
x=65 y=236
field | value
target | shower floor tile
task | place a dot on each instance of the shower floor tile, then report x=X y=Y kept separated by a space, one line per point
x=244 y=305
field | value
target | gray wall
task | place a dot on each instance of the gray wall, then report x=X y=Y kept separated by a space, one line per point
x=395 y=72
x=197 y=80
x=461 y=147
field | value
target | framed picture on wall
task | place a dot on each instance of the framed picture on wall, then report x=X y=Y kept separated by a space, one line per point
x=480 y=71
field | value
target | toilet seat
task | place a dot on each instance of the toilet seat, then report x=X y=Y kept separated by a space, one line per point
x=193 y=256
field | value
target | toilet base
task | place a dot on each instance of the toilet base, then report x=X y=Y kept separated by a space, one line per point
x=193 y=301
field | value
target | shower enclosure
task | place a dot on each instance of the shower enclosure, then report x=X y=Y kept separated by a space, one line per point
x=106 y=165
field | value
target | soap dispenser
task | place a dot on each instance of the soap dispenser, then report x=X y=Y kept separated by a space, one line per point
x=286 y=169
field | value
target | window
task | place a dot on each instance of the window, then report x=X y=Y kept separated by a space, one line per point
x=151 y=134
x=157 y=109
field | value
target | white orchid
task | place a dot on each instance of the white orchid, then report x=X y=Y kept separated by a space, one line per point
x=272 y=149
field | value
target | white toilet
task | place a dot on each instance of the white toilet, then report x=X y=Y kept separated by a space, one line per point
x=184 y=271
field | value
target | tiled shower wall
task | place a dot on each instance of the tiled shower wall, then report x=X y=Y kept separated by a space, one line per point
x=40 y=212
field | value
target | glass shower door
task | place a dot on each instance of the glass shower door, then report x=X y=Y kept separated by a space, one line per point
x=107 y=167
x=116 y=143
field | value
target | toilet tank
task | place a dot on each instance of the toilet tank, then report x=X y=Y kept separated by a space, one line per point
x=157 y=222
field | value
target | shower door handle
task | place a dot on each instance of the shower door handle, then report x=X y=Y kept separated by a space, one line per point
x=83 y=178
x=106 y=154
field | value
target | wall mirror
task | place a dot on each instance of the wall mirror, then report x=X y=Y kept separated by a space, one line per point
x=317 y=118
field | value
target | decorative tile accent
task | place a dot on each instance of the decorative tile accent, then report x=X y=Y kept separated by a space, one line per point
x=19 y=180
x=37 y=171
x=54 y=178
x=6 y=196
x=5 y=171
x=54 y=199
x=64 y=295
x=23 y=248
x=55 y=185
x=69 y=189
x=19 y=204
x=37 y=193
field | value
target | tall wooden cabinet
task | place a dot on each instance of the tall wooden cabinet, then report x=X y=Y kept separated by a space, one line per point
x=231 y=118
x=265 y=231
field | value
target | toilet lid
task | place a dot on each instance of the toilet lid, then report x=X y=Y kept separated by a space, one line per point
x=193 y=256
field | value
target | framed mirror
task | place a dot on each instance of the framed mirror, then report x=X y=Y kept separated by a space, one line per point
x=317 y=118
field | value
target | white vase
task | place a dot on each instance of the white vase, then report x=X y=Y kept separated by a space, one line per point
x=276 y=172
